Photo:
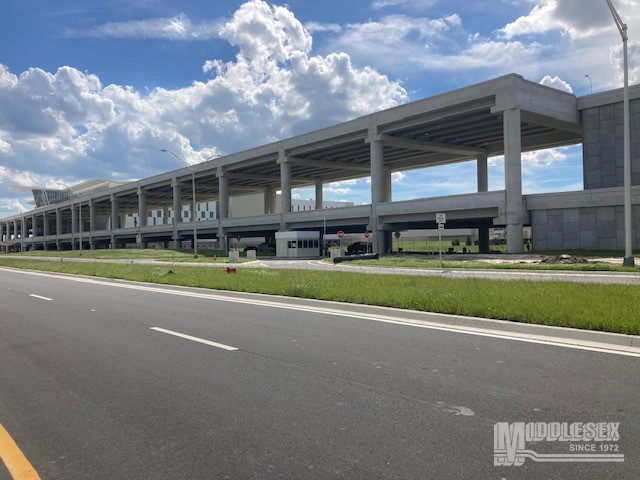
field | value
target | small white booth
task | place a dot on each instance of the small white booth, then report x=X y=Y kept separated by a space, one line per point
x=297 y=244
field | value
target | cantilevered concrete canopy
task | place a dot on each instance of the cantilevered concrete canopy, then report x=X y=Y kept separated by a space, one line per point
x=505 y=116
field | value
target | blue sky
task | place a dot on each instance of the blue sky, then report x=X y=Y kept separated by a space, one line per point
x=96 y=89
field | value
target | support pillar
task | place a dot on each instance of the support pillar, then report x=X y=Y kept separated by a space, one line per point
x=115 y=220
x=483 y=239
x=74 y=227
x=23 y=229
x=223 y=206
x=58 y=228
x=285 y=183
x=319 y=199
x=513 y=180
x=45 y=229
x=483 y=173
x=142 y=208
x=388 y=190
x=177 y=212
x=270 y=200
x=92 y=223
x=377 y=189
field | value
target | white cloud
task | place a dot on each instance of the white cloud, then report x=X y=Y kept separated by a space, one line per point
x=577 y=18
x=313 y=27
x=544 y=158
x=557 y=83
x=633 y=56
x=398 y=176
x=179 y=27
x=411 y=4
x=12 y=205
x=67 y=121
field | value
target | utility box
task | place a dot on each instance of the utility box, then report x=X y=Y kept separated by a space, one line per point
x=297 y=244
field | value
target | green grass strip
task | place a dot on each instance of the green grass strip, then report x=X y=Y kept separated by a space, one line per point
x=611 y=308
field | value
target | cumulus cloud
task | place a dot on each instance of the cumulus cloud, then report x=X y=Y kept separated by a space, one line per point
x=617 y=59
x=179 y=27
x=67 y=121
x=557 y=83
x=12 y=205
x=576 y=18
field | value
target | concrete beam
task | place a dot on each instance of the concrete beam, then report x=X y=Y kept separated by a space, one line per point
x=435 y=147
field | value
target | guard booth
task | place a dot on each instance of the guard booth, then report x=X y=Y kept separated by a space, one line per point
x=297 y=244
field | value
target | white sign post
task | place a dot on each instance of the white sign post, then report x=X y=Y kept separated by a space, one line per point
x=441 y=219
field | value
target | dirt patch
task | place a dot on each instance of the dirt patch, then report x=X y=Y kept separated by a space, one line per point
x=563 y=259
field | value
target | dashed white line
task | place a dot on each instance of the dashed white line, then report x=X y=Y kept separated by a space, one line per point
x=40 y=297
x=631 y=351
x=195 y=339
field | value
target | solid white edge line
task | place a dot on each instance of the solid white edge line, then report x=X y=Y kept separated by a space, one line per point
x=194 y=339
x=40 y=297
x=363 y=316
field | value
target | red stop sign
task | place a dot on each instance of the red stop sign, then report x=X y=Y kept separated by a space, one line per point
x=366 y=234
x=340 y=234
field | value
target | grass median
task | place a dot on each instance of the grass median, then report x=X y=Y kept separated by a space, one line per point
x=611 y=308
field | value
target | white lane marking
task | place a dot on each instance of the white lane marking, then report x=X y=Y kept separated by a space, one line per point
x=481 y=332
x=194 y=339
x=40 y=297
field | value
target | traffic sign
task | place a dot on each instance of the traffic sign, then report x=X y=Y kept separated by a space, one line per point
x=366 y=234
x=340 y=234
x=441 y=218
x=397 y=234
x=441 y=226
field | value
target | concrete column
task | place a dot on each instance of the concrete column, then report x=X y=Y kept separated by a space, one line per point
x=142 y=208
x=165 y=215
x=23 y=229
x=34 y=227
x=223 y=205
x=45 y=225
x=74 y=227
x=483 y=239
x=177 y=211
x=388 y=191
x=115 y=220
x=223 y=194
x=513 y=180
x=45 y=229
x=266 y=192
x=92 y=217
x=377 y=189
x=92 y=223
x=483 y=173
x=285 y=183
x=319 y=199
x=272 y=199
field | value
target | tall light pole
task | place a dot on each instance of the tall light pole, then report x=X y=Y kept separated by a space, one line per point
x=628 y=254
x=76 y=194
x=194 y=217
x=590 y=83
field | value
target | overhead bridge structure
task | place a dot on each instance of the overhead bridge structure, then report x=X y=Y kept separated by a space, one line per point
x=505 y=116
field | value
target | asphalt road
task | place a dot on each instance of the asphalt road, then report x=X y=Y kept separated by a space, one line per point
x=89 y=391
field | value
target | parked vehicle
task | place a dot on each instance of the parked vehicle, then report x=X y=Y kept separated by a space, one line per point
x=262 y=248
x=357 y=248
x=266 y=248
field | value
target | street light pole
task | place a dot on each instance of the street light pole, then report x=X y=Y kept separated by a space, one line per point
x=628 y=253
x=76 y=194
x=587 y=76
x=194 y=217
